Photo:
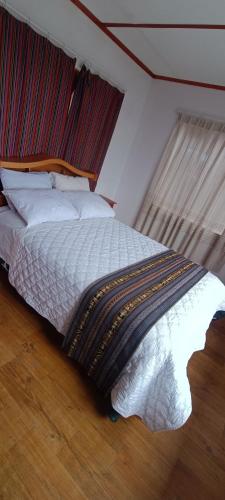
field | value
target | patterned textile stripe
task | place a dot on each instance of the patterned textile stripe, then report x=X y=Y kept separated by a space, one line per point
x=118 y=310
x=92 y=118
x=35 y=90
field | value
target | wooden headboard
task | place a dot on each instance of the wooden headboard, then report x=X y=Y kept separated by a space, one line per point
x=46 y=165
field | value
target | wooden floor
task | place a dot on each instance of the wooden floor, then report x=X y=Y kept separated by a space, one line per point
x=55 y=442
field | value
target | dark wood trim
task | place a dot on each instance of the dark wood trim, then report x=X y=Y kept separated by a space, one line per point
x=166 y=26
x=110 y=35
x=193 y=83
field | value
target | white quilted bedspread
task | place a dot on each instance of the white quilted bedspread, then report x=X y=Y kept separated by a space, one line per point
x=54 y=262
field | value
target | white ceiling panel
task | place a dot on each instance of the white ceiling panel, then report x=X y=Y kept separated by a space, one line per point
x=109 y=10
x=192 y=54
x=159 y=11
x=188 y=54
x=147 y=52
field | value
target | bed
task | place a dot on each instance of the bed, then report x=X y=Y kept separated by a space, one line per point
x=51 y=264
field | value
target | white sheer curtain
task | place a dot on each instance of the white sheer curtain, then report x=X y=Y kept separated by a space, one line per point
x=185 y=204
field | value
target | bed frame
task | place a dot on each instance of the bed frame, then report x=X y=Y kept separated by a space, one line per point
x=35 y=164
x=31 y=164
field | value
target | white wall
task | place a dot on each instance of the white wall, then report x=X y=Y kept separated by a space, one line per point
x=157 y=121
x=61 y=20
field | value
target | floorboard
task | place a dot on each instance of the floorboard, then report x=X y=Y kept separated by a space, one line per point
x=56 y=442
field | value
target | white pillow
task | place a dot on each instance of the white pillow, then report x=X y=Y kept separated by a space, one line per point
x=69 y=183
x=36 y=206
x=12 y=179
x=4 y=209
x=89 y=205
x=9 y=203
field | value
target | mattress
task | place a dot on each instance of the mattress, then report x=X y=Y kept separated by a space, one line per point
x=10 y=225
x=53 y=263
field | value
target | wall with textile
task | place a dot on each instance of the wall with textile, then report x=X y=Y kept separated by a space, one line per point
x=37 y=116
x=62 y=21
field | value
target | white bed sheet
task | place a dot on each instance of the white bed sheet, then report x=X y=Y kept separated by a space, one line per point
x=10 y=224
x=51 y=265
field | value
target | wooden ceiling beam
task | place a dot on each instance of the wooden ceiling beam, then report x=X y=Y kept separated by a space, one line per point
x=166 y=26
x=193 y=83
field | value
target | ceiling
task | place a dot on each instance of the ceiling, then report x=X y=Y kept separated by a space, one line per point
x=193 y=53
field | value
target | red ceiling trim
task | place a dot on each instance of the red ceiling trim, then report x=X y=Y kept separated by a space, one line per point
x=166 y=26
x=110 y=35
x=190 y=82
x=134 y=58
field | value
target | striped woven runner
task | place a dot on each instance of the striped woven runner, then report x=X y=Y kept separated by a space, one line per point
x=118 y=310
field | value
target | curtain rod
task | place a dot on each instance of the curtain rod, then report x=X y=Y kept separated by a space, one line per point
x=197 y=114
x=68 y=50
